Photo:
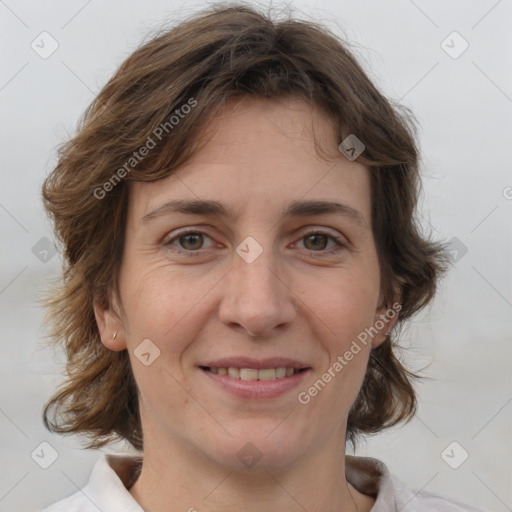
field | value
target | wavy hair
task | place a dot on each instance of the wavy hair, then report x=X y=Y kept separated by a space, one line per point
x=222 y=53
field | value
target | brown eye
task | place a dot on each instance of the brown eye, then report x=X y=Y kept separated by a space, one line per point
x=315 y=241
x=191 y=241
x=324 y=244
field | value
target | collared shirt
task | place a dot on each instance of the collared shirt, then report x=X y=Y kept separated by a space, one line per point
x=113 y=475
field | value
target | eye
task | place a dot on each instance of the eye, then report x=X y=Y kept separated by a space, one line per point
x=317 y=241
x=187 y=242
x=191 y=242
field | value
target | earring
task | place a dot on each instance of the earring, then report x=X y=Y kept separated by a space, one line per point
x=114 y=337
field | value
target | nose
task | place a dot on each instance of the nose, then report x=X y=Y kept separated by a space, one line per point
x=257 y=299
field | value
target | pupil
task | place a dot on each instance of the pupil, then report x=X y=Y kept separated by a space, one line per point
x=316 y=238
x=191 y=237
x=196 y=240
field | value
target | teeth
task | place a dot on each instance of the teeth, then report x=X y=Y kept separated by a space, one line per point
x=280 y=372
x=248 y=374
x=234 y=372
x=253 y=374
x=267 y=374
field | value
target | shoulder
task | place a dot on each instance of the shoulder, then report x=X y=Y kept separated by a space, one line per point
x=76 y=502
x=412 y=500
x=106 y=488
x=371 y=476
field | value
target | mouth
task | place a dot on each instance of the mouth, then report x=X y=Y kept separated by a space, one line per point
x=281 y=372
x=255 y=379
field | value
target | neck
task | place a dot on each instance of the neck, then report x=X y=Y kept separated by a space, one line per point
x=192 y=482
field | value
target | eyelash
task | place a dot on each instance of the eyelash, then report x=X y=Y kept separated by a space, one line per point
x=190 y=253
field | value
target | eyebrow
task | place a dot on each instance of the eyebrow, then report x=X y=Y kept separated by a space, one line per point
x=216 y=209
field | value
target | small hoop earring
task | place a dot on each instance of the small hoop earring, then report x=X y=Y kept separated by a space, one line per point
x=114 y=337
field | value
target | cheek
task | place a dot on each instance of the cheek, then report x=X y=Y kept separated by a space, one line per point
x=350 y=302
x=166 y=307
x=155 y=297
x=157 y=307
x=348 y=309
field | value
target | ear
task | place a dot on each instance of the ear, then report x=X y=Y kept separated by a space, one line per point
x=386 y=317
x=109 y=325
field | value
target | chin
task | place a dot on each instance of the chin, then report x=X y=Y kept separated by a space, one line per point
x=258 y=449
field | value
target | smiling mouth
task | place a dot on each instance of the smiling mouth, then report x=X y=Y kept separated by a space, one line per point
x=255 y=374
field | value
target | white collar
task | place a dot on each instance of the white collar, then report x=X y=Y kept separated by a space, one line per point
x=112 y=473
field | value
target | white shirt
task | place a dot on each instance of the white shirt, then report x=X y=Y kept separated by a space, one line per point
x=112 y=475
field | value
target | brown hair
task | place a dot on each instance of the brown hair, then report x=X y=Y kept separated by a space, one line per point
x=219 y=54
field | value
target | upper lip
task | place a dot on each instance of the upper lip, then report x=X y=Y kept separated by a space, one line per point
x=256 y=364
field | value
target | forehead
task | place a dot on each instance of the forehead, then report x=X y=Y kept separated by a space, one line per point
x=248 y=123
x=262 y=153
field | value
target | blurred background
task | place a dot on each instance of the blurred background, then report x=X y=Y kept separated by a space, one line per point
x=449 y=62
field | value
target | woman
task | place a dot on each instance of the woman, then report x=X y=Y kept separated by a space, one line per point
x=239 y=366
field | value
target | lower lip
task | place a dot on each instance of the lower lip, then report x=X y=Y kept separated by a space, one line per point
x=257 y=388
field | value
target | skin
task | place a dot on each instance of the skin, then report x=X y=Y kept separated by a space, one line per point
x=298 y=299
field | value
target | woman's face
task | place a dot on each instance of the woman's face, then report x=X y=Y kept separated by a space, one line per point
x=254 y=268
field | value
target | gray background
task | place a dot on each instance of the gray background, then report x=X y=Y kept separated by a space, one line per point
x=464 y=107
